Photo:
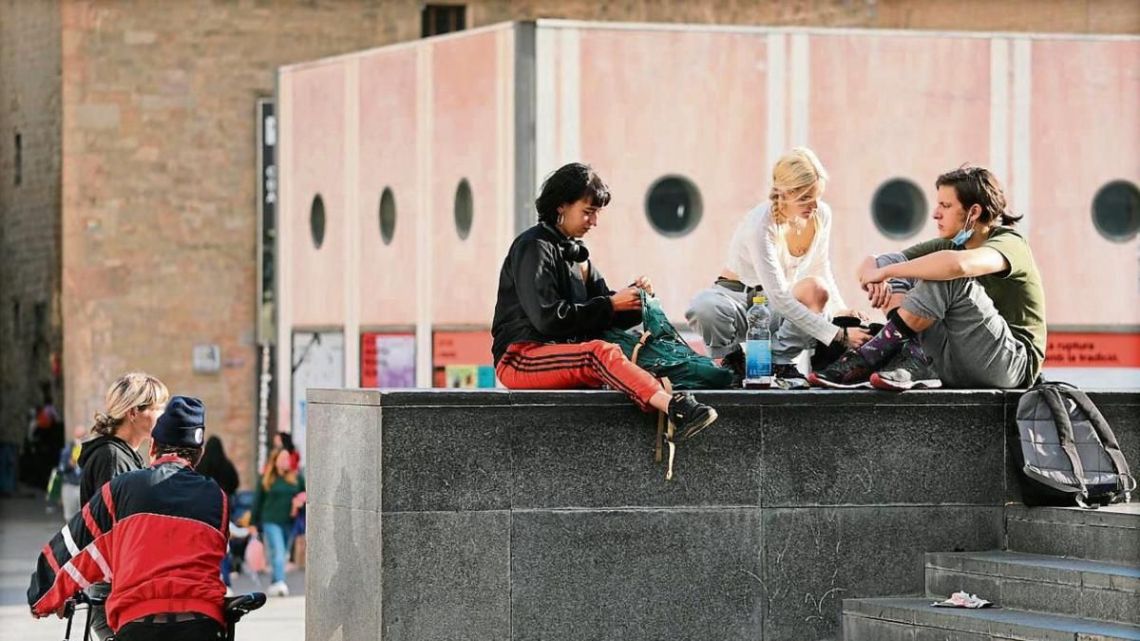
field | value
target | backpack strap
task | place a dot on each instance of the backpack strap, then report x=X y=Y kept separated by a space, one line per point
x=1107 y=439
x=665 y=429
x=637 y=349
x=1065 y=431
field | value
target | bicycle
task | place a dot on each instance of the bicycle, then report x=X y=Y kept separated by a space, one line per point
x=235 y=607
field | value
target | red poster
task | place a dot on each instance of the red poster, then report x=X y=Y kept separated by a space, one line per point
x=1083 y=349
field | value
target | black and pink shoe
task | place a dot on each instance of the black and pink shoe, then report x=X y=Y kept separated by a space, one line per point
x=851 y=371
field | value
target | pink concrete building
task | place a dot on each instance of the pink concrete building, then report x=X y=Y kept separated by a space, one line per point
x=423 y=160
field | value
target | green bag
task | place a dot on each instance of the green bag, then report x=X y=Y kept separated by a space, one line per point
x=661 y=351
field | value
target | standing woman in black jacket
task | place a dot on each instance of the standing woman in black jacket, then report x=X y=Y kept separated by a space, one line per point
x=553 y=305
x=133 y=404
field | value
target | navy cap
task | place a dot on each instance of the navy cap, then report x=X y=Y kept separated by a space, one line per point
x=183 y=424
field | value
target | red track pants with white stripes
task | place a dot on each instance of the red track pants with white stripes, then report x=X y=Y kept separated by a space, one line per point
x=591 y=364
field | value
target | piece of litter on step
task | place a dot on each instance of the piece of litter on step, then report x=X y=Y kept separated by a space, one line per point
x=963 y=600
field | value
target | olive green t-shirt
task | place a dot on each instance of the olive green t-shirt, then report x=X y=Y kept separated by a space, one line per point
x=1017 y=293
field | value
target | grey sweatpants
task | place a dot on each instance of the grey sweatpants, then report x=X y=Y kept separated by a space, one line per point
x=719 y=315
x=970 y=343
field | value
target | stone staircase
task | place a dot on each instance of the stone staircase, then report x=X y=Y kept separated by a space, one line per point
x=1067 y=575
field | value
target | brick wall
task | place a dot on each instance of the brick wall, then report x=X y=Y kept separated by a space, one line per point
x=1067 y=16
x=29 y=211
x=159 y=221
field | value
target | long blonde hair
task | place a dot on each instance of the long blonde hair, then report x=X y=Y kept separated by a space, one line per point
x=133 y=390
x=270 y=473
x=795 y=173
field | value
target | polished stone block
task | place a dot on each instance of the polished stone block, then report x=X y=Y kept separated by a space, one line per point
x=447 y=458
x=815 y=558
x=343 y=449
x=636 y=575
x=343 y=575
x=868 y=455
x=447 y=576
x=569 y=458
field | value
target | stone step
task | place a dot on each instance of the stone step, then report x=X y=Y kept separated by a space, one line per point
x=1109 y=534
x=914 y=619
x=1032 y=582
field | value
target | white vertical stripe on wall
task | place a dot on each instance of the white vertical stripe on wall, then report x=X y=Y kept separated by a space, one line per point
x=504 y=130
x=999 y=108
x=570 y=99
x=799 y=85
x=545 y=108
x=352 y=219
x=284 y=257
x=424 y=297
x=777 y=97
x=1020 y=171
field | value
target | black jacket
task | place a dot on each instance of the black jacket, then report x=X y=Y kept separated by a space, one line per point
x=544 y=298
x=222 y=471
x=103 y=459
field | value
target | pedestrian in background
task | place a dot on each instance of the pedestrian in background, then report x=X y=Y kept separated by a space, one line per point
x=70 y=473
x=216 y=465
x=273 y=514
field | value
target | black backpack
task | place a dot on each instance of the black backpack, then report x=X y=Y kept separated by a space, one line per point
x=1068 y=452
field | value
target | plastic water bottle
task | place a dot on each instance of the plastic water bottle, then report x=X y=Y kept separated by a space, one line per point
x=758 y=346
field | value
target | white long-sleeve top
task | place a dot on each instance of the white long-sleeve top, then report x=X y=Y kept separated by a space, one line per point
x=758 y=254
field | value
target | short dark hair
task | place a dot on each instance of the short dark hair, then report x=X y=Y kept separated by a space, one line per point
x=979 y=186
x=192 y=454
x=569 y=184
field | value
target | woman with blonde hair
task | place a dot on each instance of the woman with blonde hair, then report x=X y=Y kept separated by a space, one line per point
x=134 y=402
x=779 y=250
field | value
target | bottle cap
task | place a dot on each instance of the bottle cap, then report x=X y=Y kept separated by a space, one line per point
x=759 y=299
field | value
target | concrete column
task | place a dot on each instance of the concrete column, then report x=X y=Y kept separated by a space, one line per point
x=424 y=215
x=351 y=229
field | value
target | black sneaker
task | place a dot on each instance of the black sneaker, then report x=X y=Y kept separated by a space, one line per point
x=849 y=372
x=787 y=376
x=734 y=361
x=911 y=369
x=689 y=417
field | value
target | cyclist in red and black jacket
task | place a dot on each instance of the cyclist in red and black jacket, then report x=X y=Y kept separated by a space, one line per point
x=158 y=533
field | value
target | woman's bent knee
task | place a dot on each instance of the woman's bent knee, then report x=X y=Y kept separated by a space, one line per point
x=812 y=292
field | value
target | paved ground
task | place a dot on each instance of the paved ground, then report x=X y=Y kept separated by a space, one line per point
x=24 y=529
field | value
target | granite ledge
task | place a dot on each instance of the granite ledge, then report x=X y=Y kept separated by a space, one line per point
x=717 y=398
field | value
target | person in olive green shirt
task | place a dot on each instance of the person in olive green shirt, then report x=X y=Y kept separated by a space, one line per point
x=966 y=309
x=274 y=508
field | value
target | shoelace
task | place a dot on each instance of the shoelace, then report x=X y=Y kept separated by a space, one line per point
x=666 y=429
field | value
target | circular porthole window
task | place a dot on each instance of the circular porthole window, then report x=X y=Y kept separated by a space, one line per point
x=673 y=206
x=317 y=221
x=898 y=208
x=1116 y=211
x=464 y=209
x=387 y=216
